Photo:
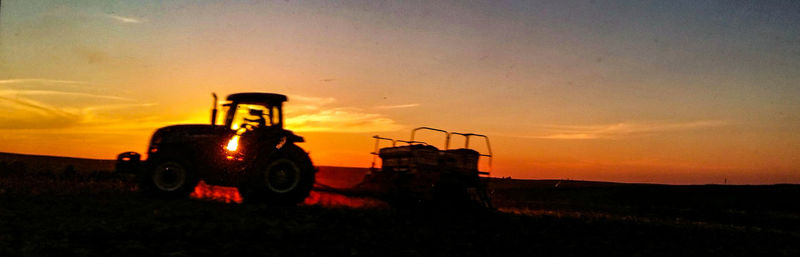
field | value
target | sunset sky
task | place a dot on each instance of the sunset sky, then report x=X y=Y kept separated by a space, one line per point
x=680 y=92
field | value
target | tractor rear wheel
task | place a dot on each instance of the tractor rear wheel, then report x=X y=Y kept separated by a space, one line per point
x=286 y=178
x=168 y=177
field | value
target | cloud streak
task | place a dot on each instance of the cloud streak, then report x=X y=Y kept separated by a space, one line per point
x=52 y=108
x=316 y=114
x=125 y=19
x=12 y=92
x=624 y=129
x=397 y=106
x=40 y=80
x=310 y=102
x=344 y=119
x=30 y=114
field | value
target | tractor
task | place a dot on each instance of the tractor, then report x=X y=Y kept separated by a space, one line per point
x=250 y=151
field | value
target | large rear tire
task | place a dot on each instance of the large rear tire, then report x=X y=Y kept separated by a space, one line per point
x=168 y=177
x=285 y=178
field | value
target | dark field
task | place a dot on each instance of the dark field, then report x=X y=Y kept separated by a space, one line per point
x=84 y=213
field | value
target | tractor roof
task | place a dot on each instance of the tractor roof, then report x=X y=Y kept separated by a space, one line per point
x=269 y=98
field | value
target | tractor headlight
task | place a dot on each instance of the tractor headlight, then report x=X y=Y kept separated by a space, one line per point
x=233 y=144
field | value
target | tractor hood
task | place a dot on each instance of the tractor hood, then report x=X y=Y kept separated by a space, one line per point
x=203 y=132
x=192 y=132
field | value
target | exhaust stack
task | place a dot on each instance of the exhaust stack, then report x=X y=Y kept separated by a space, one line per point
x=214 y=110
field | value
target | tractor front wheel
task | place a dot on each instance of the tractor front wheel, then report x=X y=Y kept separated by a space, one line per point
x=168 y=177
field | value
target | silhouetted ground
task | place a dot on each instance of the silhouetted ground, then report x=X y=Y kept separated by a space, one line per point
x=101 y=214
x=772 y=207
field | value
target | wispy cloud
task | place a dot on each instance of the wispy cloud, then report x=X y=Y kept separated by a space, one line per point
x=30 y=114
x=317 y=114
x=125 y=19
x=300 y=103
x=396 y=106
x=118 y=106
x=16 y=92
x=311 y=100
x=623 y=129
x=22 y=109
x=341 y=120
x=40 y=80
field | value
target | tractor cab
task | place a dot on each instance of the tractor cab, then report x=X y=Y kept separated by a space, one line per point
x=252 y=111
x=254 y=123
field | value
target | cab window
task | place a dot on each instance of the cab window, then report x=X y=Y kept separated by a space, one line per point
x=252 y=116
x=275 y=114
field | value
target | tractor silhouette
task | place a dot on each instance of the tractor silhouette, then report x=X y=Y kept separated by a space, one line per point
x=251 y=151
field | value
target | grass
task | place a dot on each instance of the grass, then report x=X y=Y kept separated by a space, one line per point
x=101 y=214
